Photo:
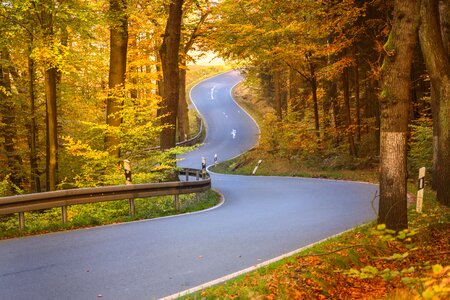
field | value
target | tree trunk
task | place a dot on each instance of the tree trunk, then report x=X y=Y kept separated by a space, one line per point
x=313 y=82
x=50 y=79
x=394 y=113
x=183 y=116
x=357 y=103
x=32 y=128
x=277 y=93
x=52 y=129
x=437 y=62
x=117 y=70
x=169 y=53
x=348 y=117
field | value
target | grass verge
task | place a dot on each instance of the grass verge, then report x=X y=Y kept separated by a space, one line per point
x=96 y=214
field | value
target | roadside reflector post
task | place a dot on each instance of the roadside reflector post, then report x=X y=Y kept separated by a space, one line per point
x=256 y=167
x=420 y=189
x=128 y=180
x=176 y=203
x=203 y=168
x=64 y=214
x=215 y=159
x=21 y=220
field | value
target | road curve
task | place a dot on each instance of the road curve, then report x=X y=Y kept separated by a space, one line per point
x=261 y=218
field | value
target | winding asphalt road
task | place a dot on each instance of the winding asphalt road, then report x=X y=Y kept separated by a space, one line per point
x=261 y=218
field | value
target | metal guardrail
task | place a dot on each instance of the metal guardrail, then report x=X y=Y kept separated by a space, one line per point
x=63 y=198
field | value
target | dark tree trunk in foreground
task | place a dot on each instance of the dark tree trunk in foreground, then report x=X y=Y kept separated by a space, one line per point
x=169 y=53
x=117 y=71
x=437 y=62
x=394 y=113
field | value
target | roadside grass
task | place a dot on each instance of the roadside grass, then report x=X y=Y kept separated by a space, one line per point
x=275 y=166
x=96 y=214
x=369 y=262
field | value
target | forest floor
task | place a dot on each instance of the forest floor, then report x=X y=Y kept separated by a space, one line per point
x=369 y=262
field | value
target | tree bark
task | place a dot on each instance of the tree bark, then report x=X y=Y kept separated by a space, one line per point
x=313 y=82
x=348 y=116
x=50 y=79
x=394 y=113
x=277 y=93
x=117 y=71
x=32 y=128
x=183 y=116
x=169 y=53
x=437 y=62
x=357 y=103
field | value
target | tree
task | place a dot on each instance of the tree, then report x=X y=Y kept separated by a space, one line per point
x=169 y=53
x=437 y=61
x=395 y=95
x=117 y=71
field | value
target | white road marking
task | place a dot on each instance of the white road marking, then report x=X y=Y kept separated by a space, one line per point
x=212 y=92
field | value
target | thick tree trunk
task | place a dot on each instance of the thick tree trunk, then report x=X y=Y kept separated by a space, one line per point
x=50 y=79
x=394 y=113
x=169 y=53
x=117 y=71
x=52 y=128
x=436 y=59
x=348 y=116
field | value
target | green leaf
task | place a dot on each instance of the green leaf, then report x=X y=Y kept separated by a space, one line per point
x=409 y=270
x=370 y=269
x=437 y=269
x=381 y=227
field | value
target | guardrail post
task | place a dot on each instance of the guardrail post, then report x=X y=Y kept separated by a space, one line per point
x=187 y=174
x=64 y=214
x=177 y=203
x=21 y=220
x=127 y=167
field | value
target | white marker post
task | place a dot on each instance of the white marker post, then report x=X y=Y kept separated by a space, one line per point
x=127 y=167
x=203 y=167
x=420 y=189
x=215 y=159
x=256 y=167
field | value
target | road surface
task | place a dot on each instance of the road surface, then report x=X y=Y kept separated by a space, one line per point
x=261 y=218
